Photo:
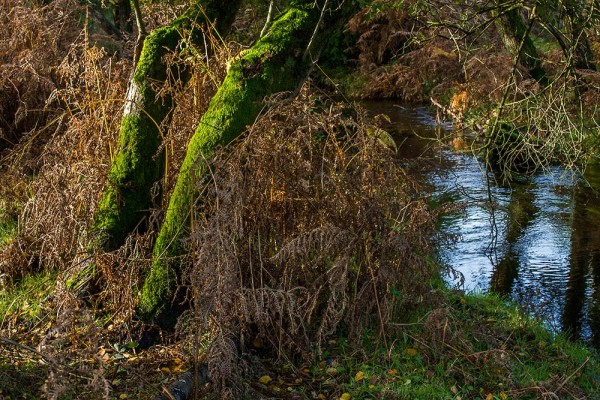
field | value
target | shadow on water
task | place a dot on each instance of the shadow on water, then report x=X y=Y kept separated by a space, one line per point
x=536 y=241
x=581 y=315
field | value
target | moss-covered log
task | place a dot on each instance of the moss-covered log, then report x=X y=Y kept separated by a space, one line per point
x=138 y=164
x=278 y=62
x=515 y=37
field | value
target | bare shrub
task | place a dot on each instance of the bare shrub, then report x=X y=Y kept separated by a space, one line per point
x=306 y=226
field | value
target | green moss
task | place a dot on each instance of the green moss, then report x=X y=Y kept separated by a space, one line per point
x=138 y=163
x=273 y=64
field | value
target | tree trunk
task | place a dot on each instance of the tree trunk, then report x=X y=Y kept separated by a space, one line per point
x=138 y=163
x=515 y=36
x=574 y=22
x=277 y=62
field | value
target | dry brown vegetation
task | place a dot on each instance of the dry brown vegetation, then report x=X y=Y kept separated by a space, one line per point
x=306 y=227
x=308 y=196
x=308 y=224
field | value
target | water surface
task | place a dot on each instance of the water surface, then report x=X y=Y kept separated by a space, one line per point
x=536 y=240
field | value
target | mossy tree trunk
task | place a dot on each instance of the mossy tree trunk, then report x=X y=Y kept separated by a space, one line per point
x=138 y=163
x=516 y=39
x=278 y=62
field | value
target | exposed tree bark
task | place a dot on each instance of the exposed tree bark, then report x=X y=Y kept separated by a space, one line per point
x=274 y=64
x=515 y=36
x=138 y=164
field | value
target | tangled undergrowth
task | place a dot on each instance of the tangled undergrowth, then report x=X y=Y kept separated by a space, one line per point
x=309 y=241
x=453 y=57
x=309 y=226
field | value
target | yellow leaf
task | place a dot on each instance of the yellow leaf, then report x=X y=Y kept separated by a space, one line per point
x=359 y=376
x=332 y=371
x=346 y=396
x=123 y=396
x=321 y=396
x=101 y=352
x=289 y=389
x=503 y=396
x=392 y=371
x=412 y=352
x=257 y=343
x=177 y=361
x=276 y=388
x=166 y=370
x=265 y=379
x=489 y=397
x=177 y=368
x=298 y=381
x=371 y=386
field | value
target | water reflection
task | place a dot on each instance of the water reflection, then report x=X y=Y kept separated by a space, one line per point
x=537 y=241
x=581 y=315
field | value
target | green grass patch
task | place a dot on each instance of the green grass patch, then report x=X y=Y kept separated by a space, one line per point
x=461 y=347
x=8 y=225
x=22 y=302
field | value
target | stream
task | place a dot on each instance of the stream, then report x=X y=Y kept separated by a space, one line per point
x=536 y=241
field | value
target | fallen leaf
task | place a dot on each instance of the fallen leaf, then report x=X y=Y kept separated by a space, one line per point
x=345 y=396
x=257 y=343
x=123 y=396
x=359 y=376
x=332 y=371
x=265 y=379
x=392 y=372
x=412 y=352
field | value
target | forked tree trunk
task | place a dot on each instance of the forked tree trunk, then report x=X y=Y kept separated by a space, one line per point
x=515 y=37
x=277 y=62
x=138 y=163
